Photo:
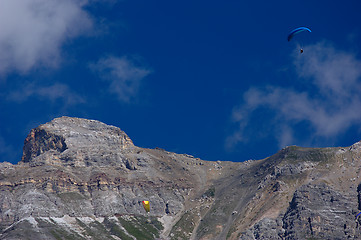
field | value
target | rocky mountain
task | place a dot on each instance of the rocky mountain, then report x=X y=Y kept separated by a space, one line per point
x=83 y=179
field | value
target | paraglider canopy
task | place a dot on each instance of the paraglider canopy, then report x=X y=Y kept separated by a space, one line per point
x=146 y=206
x=296 y=31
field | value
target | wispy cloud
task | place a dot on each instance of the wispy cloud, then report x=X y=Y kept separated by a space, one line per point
x=32 y=32
x=55 y=92
x=329 y=107
x=123 y=74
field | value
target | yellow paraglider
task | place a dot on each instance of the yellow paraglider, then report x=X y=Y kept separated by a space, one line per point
x=146 y=206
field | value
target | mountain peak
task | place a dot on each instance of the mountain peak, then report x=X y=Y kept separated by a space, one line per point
x=73 y=135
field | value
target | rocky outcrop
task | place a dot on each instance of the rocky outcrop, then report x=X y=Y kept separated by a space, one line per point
x=318 y=211
x=83 y=179
x=39 y=141
x=315 y=212
x=78 y=142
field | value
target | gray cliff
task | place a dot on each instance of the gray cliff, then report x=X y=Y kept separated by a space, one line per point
x=83 y=179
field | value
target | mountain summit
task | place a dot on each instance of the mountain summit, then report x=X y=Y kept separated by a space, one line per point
x=65 y=134
x=83 y=179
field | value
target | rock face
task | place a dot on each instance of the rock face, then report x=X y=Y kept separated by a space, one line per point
x=71 y=138
x=320 y=212
x=83 y=179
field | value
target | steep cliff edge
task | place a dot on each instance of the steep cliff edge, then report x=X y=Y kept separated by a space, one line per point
x=83 y=179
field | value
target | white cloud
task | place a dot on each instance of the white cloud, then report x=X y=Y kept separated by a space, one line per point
x=57 y=91
x=123 y=75
x=330 y=106
x=335 y=73
x=32 y=32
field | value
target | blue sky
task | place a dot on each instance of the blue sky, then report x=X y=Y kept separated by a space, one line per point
x=214 y=79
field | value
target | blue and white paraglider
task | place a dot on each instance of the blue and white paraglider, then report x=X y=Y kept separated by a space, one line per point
x=297 y=31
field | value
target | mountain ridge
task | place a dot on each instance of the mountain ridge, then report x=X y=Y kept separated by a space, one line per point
x=81 y=179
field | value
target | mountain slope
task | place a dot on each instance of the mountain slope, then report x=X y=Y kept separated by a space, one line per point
x=83 y=179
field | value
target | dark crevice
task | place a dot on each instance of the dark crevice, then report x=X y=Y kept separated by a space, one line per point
x=310 y=225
